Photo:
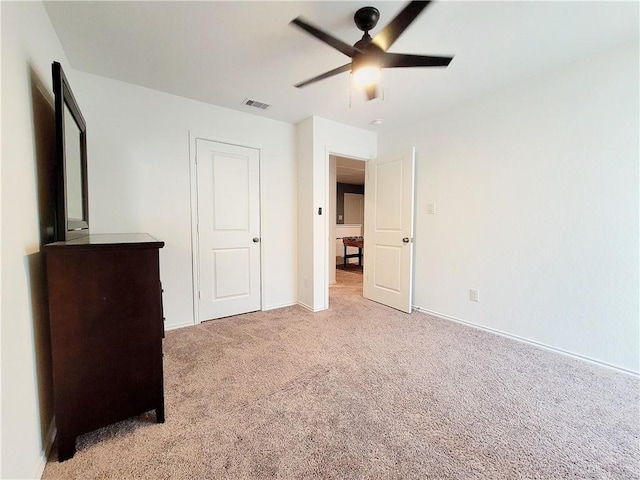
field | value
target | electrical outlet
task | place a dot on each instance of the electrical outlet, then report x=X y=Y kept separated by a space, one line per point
x=474 y=295
x=306 y=282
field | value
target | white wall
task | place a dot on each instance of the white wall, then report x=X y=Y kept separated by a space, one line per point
x=138 y=155
x=306 y=213
x=536 y=193
x=317 y=139
x=29 y=46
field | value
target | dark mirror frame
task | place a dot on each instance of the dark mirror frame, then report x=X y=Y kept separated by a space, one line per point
x=68 y=228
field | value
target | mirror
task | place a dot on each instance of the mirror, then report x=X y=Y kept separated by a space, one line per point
x=73 y=163
x=72 y=213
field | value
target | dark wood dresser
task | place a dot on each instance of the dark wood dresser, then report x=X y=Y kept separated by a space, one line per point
x=105 y=304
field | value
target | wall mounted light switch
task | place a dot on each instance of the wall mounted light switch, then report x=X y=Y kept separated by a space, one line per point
x=431 y=208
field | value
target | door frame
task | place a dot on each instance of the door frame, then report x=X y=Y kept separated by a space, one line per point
x=195 y=247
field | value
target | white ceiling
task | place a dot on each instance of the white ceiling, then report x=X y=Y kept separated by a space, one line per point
x=349 y=170
x=224 y=52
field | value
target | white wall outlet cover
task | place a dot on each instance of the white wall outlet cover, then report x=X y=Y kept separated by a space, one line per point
x=474 y=295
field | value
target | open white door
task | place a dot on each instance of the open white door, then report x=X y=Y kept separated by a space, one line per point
x=388 y=236
x=228 y=229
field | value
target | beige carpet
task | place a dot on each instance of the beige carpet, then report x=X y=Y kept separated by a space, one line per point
x=350 y=267
x=364 y=391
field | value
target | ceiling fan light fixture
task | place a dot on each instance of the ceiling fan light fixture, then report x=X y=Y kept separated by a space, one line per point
x=369 y=55
x=367 y=75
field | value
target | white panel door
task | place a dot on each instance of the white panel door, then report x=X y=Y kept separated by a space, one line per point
x=353 y=208
x=388 y=237
x=228 y=229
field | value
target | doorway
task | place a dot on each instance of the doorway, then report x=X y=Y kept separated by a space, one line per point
x=347 y=177
x=388 y=228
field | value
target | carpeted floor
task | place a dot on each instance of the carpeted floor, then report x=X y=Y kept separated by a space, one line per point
x=350 y=267
x=363 y=391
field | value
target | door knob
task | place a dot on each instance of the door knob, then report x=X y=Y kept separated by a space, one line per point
x=405 y=240
x=256 y=239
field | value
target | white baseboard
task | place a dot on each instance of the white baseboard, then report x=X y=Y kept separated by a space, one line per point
x=530 y=342
x=38 y=470
x=311 y=309
x=175 y=327
x=283 y=305
x=272 y=307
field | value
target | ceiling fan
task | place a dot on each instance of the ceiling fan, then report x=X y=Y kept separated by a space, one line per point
x=369 y=55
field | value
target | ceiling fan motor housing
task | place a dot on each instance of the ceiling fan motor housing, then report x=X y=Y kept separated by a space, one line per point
x=366 y=18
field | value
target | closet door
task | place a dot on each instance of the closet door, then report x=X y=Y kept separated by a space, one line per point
x=228 y=229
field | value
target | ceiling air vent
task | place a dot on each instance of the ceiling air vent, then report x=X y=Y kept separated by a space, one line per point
x=256 y=104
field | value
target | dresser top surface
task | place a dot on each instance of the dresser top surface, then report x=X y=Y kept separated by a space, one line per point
x=112 y=239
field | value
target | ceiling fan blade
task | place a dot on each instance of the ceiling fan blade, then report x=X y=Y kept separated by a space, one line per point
x=325 y=37
x=389 y=34
x=371 y=91
x=390 y=60
x=330 y=73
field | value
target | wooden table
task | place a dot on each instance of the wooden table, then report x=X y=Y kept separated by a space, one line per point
x=357 y=242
